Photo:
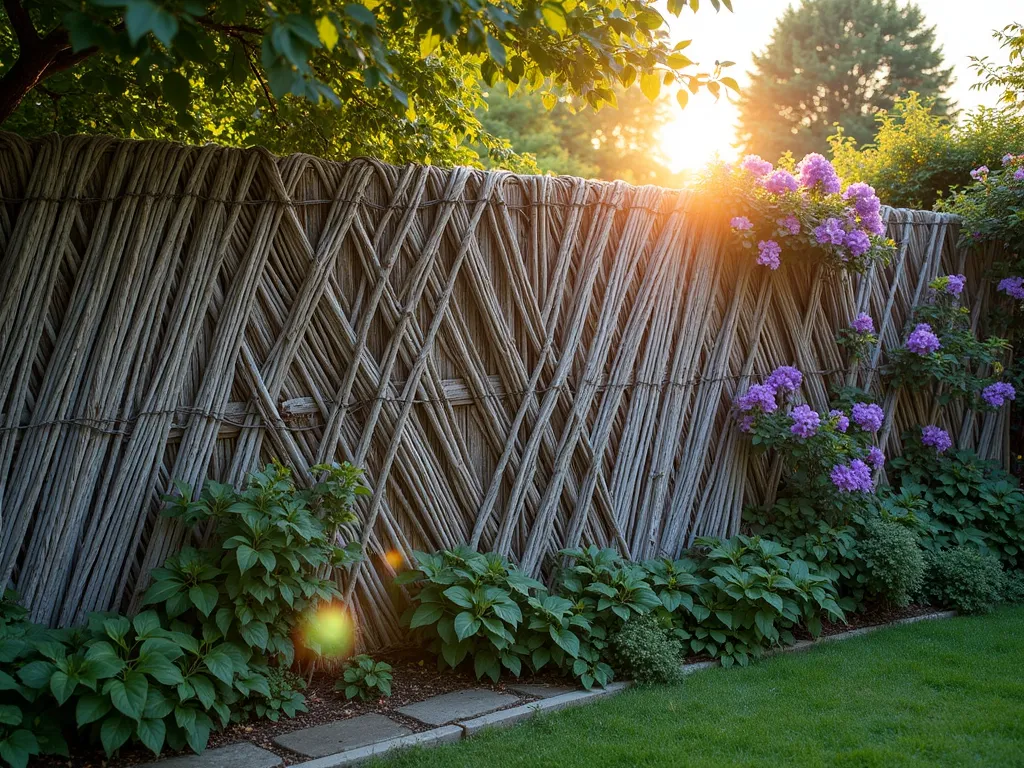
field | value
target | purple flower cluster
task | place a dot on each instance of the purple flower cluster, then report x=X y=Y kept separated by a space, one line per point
x=867 y=205
x=1018 y=175
x=858 y=242
x=805 y=421
x=937 y=438
x=842 y=420
x=830 y=231
x=1007 y=159
x=955 y=284
x=741 y=223
x=755 y=165
x=922 y=341
x=868 y=416
x=1012 y=286
x=816 y=170
x=980 y=173
x=791 y=224
x=863 y=323
x=875 y=457
x=780 y=181
x=768 y=252
x=759 y=396
x=852 y=477
x=785 y=378
x=998 y=393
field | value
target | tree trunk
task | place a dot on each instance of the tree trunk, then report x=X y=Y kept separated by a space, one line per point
x=21 y=78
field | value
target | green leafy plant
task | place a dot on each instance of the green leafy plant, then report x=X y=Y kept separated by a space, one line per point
x=283 y=696
x=215 y=636
x=275 y=540
x=756 y=594
x=963 y=578
x=956 y=498
x=893 y=560
x=468 y=604
x=645 y=652
x=827 y=543
x=365 y=678
x=30 y=721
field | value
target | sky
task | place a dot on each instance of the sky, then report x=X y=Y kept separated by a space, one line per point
x=707 y=127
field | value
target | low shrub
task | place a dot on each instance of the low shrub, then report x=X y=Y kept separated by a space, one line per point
x=893 y=561
x=1013 y=587
x=644 y=651
x=469 y=605
x=828 y=546
x=365 y=678
x=963 y=578
x=754 y=596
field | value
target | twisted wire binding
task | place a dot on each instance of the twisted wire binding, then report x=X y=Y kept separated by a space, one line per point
x=101 y=425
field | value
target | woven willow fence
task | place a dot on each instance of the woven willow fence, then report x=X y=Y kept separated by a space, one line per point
x=521 y=363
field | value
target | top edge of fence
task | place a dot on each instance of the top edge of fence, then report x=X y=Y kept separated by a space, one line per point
x=33 y=144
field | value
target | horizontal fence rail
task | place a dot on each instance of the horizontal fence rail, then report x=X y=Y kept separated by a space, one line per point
x=522 y=363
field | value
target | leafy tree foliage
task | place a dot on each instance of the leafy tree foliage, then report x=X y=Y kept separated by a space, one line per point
x=837 y=61
x=1008 y=77
x=918 y=155
x=399 y=79
x=620 y=143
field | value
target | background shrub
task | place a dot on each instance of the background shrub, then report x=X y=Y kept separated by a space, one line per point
x=643 y=651
x=893 y=561
x=917 y=156
x=964 y=579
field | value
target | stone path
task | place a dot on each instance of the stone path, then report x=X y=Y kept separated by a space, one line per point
x=459 y=705
x=321 y=740
x=242 y=755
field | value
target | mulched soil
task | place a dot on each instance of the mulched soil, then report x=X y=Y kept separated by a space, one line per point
x=415 y=678
x=872 y=616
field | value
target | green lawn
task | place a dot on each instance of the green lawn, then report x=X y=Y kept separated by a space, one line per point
x=942 y=693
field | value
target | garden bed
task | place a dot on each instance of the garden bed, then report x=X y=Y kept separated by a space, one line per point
x=416 y=678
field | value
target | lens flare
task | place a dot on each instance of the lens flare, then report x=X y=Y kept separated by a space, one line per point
x=331 y=630
x=394 y=559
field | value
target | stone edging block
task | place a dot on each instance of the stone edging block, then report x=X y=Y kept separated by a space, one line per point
x=443 y=735
x=509 y=717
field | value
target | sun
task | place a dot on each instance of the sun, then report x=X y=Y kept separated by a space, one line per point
x=699 y=134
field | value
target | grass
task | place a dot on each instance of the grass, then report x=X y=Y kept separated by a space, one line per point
x=942 y=693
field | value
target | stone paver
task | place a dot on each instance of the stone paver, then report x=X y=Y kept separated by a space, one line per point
x=341 y=735
x=243 y=755
x=445 y=735
x=541 y=690
x=457 y=706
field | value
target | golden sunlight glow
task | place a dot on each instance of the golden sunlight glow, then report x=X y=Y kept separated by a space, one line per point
x=332 y=630
x=394 y=559
x=697 y=135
